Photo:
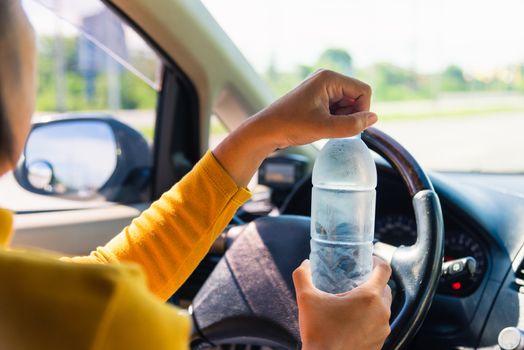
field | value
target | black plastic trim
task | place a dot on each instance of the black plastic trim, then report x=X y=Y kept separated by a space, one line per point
x=183 y=106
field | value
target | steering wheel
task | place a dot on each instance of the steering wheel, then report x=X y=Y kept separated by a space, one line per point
x=249 y=297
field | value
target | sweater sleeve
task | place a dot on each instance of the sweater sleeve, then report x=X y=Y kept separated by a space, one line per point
x=171 y=237
x=135 y=319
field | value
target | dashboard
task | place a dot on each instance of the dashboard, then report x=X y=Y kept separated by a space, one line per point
x=395 y=224
x=483 y=219
x=401 y=229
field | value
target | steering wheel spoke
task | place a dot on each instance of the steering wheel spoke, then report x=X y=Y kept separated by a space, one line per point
x=384 y=251
x=417 y=268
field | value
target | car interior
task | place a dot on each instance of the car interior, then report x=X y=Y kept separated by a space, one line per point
x=95 y=159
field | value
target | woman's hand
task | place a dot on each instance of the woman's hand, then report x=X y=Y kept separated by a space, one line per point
x=358 y=319
x=325 y=105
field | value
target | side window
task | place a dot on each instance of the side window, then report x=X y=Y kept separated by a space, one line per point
x=229 y=112
x=98 y=83
x=217 y=131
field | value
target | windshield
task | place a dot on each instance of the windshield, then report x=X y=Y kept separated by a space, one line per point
x=447 y=76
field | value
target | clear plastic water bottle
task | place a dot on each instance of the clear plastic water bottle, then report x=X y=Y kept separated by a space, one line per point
x=342 y=215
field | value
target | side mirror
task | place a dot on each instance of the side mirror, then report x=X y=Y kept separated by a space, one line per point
x=84 y=158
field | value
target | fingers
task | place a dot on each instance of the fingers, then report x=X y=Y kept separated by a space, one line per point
x=348 y=125
x=380 y=274
x=302 y=276
x=376 y=260
x=341 y=87
x=344 y=106
x=349 y=100
x=387 y=296
x=342 y=111
x=346 y=102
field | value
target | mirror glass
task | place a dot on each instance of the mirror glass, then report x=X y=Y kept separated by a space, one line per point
x=71 y=157
x=40 y=175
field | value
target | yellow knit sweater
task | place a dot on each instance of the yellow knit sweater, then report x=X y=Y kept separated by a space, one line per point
x=50 y=303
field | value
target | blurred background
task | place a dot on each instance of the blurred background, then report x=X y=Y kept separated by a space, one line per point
x=447 y=76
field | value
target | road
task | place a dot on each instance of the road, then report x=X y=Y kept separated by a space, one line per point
x=485 y=143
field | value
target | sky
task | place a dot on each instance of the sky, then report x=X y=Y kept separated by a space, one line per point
x=426 y=35
x=41 y=16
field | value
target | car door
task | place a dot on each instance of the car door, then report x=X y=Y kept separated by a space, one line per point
x=200 y=83
x=94 y=64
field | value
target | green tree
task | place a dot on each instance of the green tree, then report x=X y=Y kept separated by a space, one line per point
x=453 y=79
x=519 y=78
x=392 y=83
x=281 y=82
x=336 y=59
x=134 y=92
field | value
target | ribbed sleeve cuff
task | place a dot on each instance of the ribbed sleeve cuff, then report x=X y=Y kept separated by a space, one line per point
x=222 y=180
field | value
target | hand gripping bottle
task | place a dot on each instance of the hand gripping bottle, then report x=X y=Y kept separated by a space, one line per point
x=342 y=215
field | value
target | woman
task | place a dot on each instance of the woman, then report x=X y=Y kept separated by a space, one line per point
x=94 y=302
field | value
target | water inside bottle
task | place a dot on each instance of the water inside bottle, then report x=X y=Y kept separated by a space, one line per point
x=342 y=215
x=338 y=267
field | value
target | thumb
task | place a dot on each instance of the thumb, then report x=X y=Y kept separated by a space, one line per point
x=380 y=275
x=302 y=277
x=349 y=124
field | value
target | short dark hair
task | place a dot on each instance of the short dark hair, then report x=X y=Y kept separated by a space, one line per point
x=6 y=138
x=9 y=59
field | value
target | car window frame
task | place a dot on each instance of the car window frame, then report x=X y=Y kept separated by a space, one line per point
x=176 y=144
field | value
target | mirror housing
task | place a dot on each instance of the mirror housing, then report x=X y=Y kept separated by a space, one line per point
x=84 y=157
